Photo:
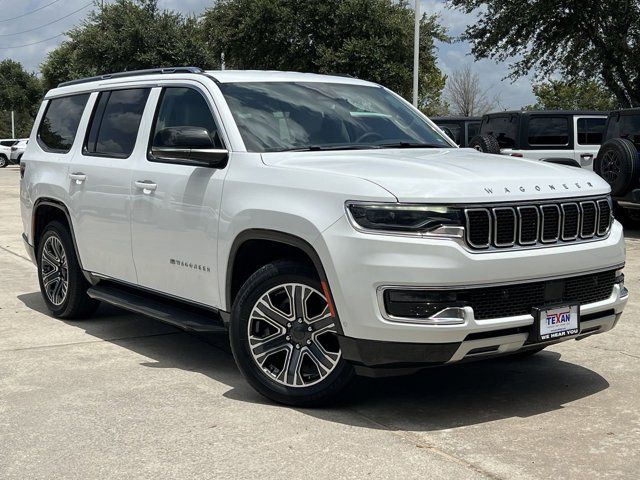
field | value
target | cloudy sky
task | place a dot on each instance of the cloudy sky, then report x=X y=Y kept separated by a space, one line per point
x=19 y=28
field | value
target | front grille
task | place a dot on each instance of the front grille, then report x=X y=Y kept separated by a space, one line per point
x=520 y=299
x=540 y=224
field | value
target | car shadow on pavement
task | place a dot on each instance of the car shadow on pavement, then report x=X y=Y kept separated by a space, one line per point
x=434 y=399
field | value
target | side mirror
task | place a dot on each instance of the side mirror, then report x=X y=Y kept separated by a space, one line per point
x=187 y=146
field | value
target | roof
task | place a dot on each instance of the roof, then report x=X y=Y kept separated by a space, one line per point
x=456 y=119
x=547 y=112
x=237 y=76
x=626 y=111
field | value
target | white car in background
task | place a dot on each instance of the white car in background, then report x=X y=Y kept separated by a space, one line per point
x=17 y=150
x=5 y=150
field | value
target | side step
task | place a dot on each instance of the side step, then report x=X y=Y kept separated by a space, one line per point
x=169 y=311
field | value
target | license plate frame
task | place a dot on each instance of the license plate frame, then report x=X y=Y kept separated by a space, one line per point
x=545 y=328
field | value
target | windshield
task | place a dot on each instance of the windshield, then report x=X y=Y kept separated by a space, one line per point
x=281 y=116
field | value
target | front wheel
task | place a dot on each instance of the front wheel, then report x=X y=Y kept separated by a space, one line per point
x=3 y=161
x=284 y=338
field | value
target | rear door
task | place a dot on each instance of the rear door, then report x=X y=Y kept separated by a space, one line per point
x=589 y=131
x=100 y=183
x=176 y=206
x=548 y=136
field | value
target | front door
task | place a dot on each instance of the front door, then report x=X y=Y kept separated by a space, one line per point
x=100 y=183
x=176 y=206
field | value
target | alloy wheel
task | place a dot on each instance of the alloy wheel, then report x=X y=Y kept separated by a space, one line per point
x=55 y=270
x=292 y=335
x=610 y=167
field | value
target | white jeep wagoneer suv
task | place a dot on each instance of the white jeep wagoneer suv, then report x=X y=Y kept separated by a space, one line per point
x=327 y=224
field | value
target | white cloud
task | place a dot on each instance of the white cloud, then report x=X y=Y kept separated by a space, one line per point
x=451 y=56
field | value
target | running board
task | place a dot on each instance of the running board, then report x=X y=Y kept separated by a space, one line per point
x=169 y=311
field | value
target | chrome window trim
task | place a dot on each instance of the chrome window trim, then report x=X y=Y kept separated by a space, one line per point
x=495 y=230
x=557 y=236
x=564 y=217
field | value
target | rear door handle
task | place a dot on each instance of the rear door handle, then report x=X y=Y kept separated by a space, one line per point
x=147 y=186
x=78 y=177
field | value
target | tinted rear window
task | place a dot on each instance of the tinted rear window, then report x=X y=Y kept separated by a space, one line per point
x=548 y=131
x=60 y=122
x=590 y=130
x=624 y=126
x=115 y=122
x=473 y=128
x=503 y=128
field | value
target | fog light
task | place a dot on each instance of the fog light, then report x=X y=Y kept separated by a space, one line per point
x=440 y=307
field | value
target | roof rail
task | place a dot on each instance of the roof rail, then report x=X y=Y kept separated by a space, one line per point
x=133 y=73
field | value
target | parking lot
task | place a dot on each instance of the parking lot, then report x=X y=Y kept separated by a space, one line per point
x=119 y=396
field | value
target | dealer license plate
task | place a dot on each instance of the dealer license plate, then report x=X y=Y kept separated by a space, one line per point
x=554 y=323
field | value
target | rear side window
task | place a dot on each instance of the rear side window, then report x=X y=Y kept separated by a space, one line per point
x=590 y=130
x=452 y=130
x=115 y=122
x=624 y=126
x=548 y=131
x=60 y=123
x=503 y=128
x=473 y=128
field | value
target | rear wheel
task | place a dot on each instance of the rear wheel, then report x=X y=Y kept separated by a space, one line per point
x=62 y=283
x=485 y=143
x=284 y=338
x=3 y=161
x=617 y=163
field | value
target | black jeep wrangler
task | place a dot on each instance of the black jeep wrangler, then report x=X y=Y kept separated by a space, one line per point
x=459 y=129
x=618 y=161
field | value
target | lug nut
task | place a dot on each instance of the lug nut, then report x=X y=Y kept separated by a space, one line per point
x=310 y=328
x=288 y=325
x=297 y=346
x=288 y=338
x=308 y=342
x=299 y=320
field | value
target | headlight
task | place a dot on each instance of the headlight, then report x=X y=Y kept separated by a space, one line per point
x=432 y=220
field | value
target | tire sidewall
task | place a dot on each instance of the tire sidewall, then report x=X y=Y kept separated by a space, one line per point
x=258 y=284
x=3 y=162
x=58 y=230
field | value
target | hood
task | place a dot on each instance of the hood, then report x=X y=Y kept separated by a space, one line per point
x=449 y=175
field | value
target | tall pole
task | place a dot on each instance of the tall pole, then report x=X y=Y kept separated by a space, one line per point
x=13 y=126
x=222 y=64
x=416 y=53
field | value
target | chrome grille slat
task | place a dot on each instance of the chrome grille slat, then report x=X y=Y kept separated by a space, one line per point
x=537 y=224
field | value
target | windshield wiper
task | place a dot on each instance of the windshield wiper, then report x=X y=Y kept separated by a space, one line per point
x=410 y=145
x=325 y=148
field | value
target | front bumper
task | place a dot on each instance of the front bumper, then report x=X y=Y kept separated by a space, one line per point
x=376 y=358
x=358 y=264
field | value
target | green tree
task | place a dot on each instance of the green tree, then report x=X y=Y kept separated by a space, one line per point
x=20 y=91
x=127 y=35
x=368 y=39
x=579 y=39
x=572 y=95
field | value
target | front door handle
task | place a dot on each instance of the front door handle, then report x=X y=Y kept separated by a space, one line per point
x=147 y=186
x=78 y=177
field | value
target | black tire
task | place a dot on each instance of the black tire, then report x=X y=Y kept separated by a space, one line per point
x=617 y=163
x=485 y=143
x=3 y=161
x=268 y=279
x=75 y=303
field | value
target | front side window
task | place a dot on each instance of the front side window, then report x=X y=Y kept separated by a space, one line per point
x=281 y=116
x=590 y=130
x=503 y=128
x=549 y=131
x=115 y=122
x=182 y=109
x=60 y=123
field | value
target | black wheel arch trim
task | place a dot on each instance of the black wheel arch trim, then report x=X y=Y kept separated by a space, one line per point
x=280 y=237
x=51 y=202
x=570 y=162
